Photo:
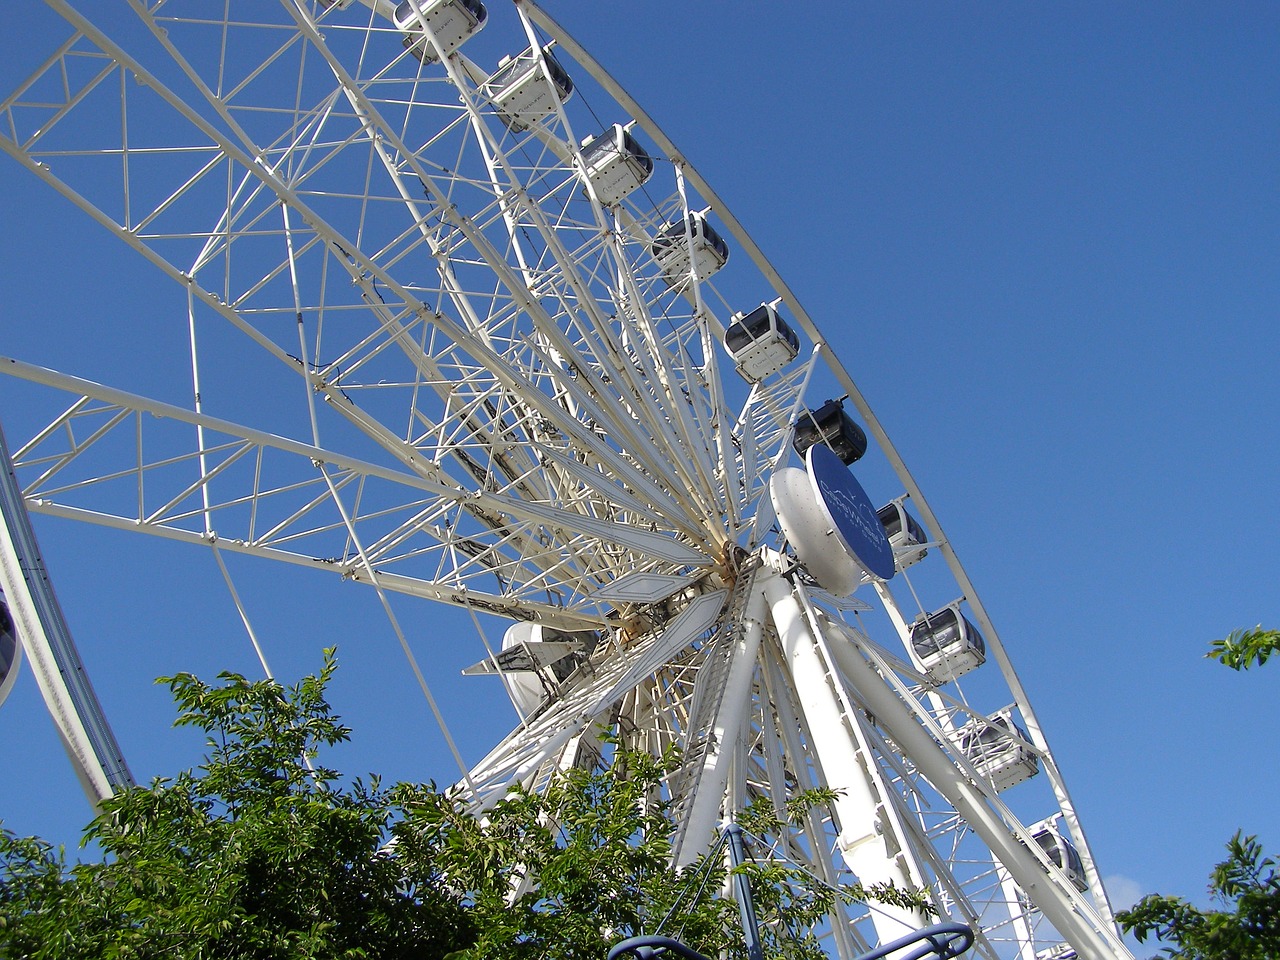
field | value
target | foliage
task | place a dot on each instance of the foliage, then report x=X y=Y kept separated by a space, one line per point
x=790 y=898
x=1245 y=884
x=1248 y=928
x=598 y=847
x=258 y=856
x=1245 y=648
x=262 y=854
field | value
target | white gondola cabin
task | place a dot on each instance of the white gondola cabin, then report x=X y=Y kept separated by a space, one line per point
x=1062 y=951
x=760 y=342
x=672 y=244
x=905 y=534
x=522 y=93
x=999 y=750
x=9 y=650
x=535 y=660
x=947 y=644
x=450 y=21
x=1061 y=853
x=616 y=164
x=829 y=424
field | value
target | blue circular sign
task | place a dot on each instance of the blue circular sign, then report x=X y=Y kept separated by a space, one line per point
x=853 y=518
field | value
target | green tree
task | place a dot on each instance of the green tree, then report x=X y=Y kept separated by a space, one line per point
x=1245 y=648
x=1248 y=926
x=262 y=853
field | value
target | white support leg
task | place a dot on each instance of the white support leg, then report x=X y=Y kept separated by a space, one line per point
x=1072 y=916
x=862 y=833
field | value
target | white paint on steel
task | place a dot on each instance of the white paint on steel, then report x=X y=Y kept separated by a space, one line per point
x=1092 y=936
x=43 y=632
x=577 y=462
x=844 y=767
x=703 y=810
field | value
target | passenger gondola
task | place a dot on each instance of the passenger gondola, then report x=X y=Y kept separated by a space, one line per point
x=521 y=92
x=999 y=750
x=673 y=242
x=761 y=342
x=906 y=536
x=947 y=644
x=1061 y=853
x=616 y=164
x=829 y=424
x=450 y=21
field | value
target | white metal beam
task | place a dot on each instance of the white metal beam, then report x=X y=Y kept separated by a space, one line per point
x=45 y=637
x=1089 y=933
x=863 y=832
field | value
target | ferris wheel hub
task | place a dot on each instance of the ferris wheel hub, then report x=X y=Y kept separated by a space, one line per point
x=831 y=523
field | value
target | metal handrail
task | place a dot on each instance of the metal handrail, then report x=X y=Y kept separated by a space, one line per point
x=942 y=941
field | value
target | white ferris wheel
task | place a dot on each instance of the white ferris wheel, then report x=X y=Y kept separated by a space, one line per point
x=498 y=345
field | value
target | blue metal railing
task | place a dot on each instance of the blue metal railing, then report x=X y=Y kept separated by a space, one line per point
x=941 y=941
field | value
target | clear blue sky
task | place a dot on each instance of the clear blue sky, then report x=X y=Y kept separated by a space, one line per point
x=1045 y=240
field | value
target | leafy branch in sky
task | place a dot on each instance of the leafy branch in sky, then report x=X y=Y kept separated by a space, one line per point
x=1245 y=648
x=1245 y=885
x=1247 y=927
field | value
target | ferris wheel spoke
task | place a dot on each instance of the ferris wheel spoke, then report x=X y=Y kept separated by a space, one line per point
x=542 y=738
x=619 y=466
x=286 y=506
x=526 y=221
x=395 y=331
x=763 y=430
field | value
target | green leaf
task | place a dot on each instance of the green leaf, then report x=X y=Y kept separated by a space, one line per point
x=1245 y=648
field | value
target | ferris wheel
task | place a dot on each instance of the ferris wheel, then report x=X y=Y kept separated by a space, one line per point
x=498 y=345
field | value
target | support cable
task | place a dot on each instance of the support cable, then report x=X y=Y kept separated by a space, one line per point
x=244 y=614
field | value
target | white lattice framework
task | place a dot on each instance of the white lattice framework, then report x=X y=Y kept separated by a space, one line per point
x=506 y=402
